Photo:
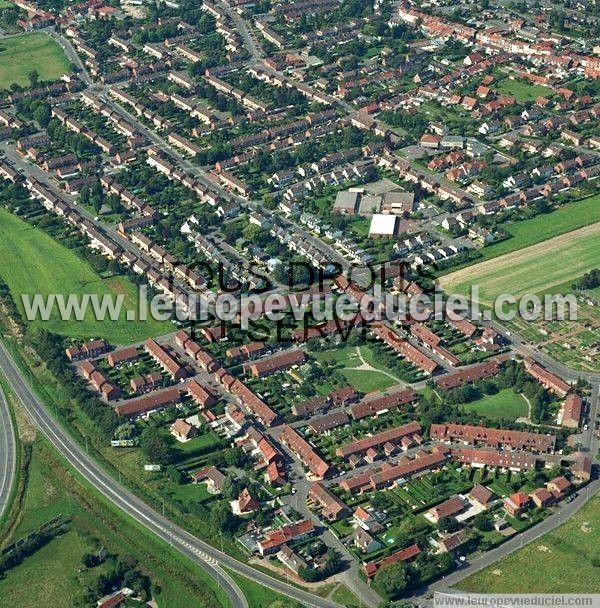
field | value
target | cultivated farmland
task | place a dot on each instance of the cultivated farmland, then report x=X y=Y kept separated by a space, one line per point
x=535 y=269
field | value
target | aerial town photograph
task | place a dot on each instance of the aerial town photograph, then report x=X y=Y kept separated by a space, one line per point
x=299 y=303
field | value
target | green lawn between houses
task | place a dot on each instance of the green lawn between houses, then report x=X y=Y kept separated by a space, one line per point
x=506 y=404
x=561 y=561
x=19 y=55
x=364 y=381
x=520 y=90
x=33 y=262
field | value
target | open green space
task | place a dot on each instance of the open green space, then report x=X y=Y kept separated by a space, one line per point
x=19 y=55
x=50 y=576
x=54 y=575
x=504 y=405
x=343 y=596
x=520 y=90
x=566 y=218
x=372 y=377
x=31 y=262
x=259 y=596
x=536 y=269
x=562 y=561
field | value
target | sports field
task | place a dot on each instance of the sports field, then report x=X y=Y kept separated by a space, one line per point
x=536 y=269
x=19 y=55
x=562 y=561
x=32 y=262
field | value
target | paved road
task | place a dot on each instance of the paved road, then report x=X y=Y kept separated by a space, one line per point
x=72 y=55
x=209 y=558
x=8 y=449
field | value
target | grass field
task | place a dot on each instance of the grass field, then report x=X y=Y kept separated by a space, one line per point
x=257 y=595
x=536 y=269
x=364 y=380
x=559 y=562
x=567 y=218
x=521 y=91
x=505 y=404
x=51 y=576
x=32 y=262
x=343 y=596
x=19 y=55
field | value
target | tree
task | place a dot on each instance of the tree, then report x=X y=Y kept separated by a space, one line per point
x=482 y=522
x=34 y=77
x=125 y=431
x=448 y=524
x=223 y=520
x=155 y=446
x=393 y=580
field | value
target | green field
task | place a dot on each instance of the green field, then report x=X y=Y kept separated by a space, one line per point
x=567 y=218
x=19 y=55
x=32 y=262
x=561 y=561
x=536 y=269
x=51 y=576
x=520 y=90
x=343 y=596
x=44 y=580
x=363 y=380
x=505 y=404
x=259 y=596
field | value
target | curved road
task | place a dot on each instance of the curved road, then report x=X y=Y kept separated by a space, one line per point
x=8 y=449
x=209 y=558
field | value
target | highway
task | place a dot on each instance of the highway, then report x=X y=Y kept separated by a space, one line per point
x=8 y=449
x=203 y=554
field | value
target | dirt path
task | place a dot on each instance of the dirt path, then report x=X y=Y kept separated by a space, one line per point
x=367 y=367
x=527 y=420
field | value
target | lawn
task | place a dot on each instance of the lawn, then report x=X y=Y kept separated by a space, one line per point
x=33 y=262
x=521 y=91
x=343 y=596
x=49 y=577
x=259 y=596
x=19 y=55
x=347 y=359
x=536 y=269
x=505 y=404
x=561 y=561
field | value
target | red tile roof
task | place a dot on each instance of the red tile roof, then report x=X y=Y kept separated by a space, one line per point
x=493 y=438
x=304 y=451
x=392 y=435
